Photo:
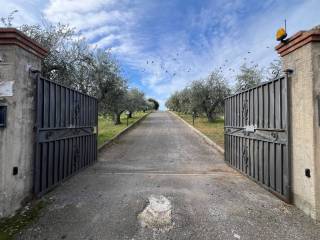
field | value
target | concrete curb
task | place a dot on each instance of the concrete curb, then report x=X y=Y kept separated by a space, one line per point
x=204 y=137
x=130 y=127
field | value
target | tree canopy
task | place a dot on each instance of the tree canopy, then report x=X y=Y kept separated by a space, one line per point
x=71 y=61
x=248 y=77
x=205 y=96
x=155 y=104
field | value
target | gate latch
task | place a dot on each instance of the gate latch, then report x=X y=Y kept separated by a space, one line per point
x=250 y=128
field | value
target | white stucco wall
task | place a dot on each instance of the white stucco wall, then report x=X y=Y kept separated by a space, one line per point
x=17 y=139
x=304 y=62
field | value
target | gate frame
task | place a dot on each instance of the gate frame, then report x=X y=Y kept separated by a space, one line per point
x=287 y=76
x=36 y=75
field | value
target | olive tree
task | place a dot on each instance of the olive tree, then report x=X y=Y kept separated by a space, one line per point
x=205 y=96
x=74 y=63
x=155 y=103
x=173 y=103
x=7 y=21
x=135 y=101
x=211 y=93
x=249 y=76
x=70 y=59
x=110 y=88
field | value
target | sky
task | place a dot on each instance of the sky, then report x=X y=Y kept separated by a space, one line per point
x=162 y=45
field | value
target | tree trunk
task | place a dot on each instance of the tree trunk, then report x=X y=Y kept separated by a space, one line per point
x=210 y=117
x=116 y=118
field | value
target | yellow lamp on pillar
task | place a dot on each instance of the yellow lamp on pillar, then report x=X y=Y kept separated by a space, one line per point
x=281 y=34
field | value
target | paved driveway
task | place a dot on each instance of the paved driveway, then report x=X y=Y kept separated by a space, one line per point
x=162 y=156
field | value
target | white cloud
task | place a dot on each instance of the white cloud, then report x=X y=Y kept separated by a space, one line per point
x=257 y=36
x=100 y=31
x=106 y=41
x=104 y=23
x=60 y=7
x=218 y=34
x=88 y=20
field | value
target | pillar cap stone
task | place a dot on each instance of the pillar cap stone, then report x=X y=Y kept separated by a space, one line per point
x=12 y=36
x=298 y=40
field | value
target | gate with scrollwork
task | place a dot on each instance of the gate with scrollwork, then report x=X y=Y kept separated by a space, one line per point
x=256 y=135
x=66 y=133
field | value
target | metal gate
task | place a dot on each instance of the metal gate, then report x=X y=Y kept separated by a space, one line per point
x=66 y=133
x=256 y=135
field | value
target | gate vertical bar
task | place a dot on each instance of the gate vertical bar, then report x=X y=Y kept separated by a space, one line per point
x=288 y=189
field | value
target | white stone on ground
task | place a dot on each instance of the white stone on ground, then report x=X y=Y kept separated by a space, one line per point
x=157 y=214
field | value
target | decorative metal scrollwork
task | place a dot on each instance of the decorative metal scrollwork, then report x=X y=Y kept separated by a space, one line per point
x=245 y=110
x=276 y=73
x=275 y=136
x=49 y=134
x=245 y=158
x=76 y=111
x=76 y=131
x=76 y=154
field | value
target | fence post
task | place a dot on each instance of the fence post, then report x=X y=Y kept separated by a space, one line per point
x=301 y=53
x=18 y=54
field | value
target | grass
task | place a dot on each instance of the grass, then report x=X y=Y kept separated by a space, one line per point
x=214 y=130
x=12 y=225
x=108 y=130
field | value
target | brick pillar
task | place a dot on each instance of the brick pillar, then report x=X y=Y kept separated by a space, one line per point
x=18 y=54
x=301 y=53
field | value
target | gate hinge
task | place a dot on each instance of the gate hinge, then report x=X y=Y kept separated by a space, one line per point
x=288 y=71
x=34 y=73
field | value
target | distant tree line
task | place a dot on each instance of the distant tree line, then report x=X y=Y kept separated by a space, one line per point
x=206 y=96
x=155 y=103
x=73 y=62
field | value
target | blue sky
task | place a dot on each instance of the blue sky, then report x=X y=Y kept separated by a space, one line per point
x=163 y=45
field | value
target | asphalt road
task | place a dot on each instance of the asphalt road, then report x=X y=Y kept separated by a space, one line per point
x=162 y=156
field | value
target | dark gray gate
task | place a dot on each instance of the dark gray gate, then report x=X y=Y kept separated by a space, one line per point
x=256 y=135
x=66 y=138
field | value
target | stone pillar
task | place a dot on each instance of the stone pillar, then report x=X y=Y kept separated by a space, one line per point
x=301 y=53
x=18 y=54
